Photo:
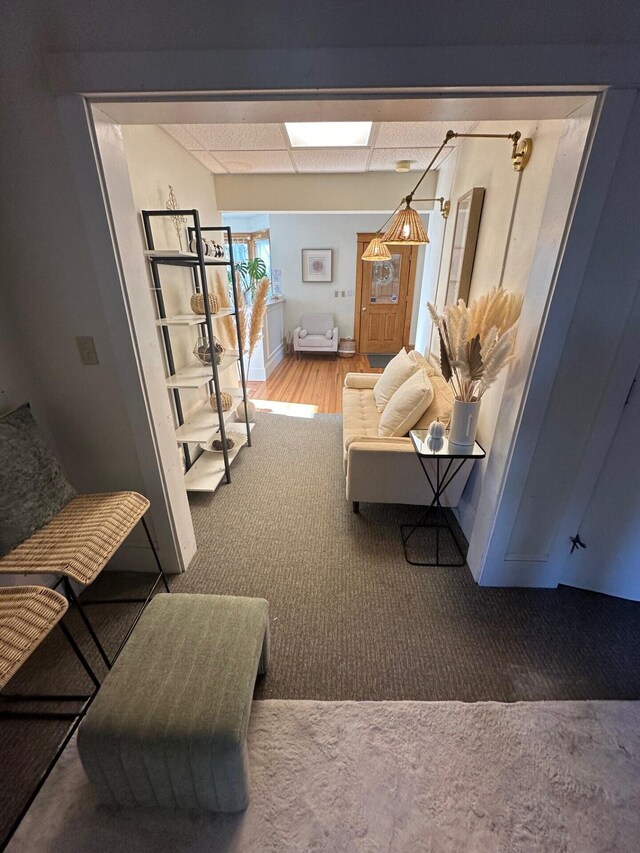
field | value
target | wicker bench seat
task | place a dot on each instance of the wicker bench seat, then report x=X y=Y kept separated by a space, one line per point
x=168 y=726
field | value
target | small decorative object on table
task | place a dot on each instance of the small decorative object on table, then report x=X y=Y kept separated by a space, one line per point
x=476 y=342
x=251 y=411
x=202 y=351
x=197 y=303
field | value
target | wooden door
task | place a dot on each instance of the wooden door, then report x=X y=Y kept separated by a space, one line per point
x=384 y=298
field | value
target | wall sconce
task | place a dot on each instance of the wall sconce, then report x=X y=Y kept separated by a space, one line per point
x=406 y=227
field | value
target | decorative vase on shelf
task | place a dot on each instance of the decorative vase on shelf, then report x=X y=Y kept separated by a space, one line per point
x=464 y=422
x=202 y=351
x=251 y=411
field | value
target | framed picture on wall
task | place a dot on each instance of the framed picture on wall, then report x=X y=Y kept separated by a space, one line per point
x=316 y=265
x=463 y=248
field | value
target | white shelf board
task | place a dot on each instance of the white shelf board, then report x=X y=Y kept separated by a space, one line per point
x=189 y=377
x=193 y=319
x=195 y=376
x=202 y=425
x=169 y=253
x=208 y=470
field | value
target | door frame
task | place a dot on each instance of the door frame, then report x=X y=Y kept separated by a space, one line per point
x=366 y=237
x=138 y=76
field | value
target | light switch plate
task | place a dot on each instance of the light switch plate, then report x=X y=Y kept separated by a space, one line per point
x=87 y=350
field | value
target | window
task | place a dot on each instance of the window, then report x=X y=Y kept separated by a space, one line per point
x=255 y=244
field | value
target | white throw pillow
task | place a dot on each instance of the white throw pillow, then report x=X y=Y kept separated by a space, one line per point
x=407 y=405
x=399 y=369
x=328 y=334
x=303 y=333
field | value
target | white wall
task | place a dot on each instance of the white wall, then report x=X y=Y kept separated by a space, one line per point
x=290 y=233
x=154 y=161
x=369 y=191
x=246 y=222
x=512 y=201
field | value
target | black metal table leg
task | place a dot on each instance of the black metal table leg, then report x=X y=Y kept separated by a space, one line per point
x=155 y=554
x=76 y=600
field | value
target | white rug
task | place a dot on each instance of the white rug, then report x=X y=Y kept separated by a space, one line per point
x=390 y=776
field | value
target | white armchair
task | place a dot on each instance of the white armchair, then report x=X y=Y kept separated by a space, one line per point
x=316 y=333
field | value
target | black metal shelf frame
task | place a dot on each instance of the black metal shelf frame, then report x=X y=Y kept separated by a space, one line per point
x=198 y=265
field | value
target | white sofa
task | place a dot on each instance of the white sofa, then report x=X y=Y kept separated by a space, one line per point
x=316 y=333
x=387 y=470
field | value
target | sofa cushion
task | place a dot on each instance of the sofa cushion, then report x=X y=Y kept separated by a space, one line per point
x=441 y=404
x=406 y=405
x=303 y=333
x=315 y=342
x=328 y=334
x=423 y=362
x=399 y=369
x=360 y=416
x=317 y=324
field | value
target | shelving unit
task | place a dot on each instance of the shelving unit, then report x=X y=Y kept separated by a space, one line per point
x=204 y=470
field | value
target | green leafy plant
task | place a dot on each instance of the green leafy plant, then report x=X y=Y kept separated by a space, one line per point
x=251 y=272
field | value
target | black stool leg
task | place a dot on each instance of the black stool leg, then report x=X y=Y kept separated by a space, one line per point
x=155 y=555
x=75 y=599
x=80 y=656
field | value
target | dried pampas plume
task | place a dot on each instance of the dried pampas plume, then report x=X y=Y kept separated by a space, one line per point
x=476 y=342
x=227 y=323
x=257 y=314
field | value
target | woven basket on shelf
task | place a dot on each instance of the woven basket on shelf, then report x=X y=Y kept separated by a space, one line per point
x=197 y=303
x=225 y=398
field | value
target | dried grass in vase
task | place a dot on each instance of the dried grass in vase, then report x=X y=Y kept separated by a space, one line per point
x=476 y=342
x=228 y=322
x=256 y=320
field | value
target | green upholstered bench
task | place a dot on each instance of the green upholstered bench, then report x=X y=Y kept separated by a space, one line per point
x=168 y=726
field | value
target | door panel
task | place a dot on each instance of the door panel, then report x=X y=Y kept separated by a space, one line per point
x=610 y=563
x=385 y=294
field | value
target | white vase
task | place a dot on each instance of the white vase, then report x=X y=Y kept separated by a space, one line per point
x=464 y=422
x=251 y=411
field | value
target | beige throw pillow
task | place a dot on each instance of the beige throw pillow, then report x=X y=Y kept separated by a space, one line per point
x=441 y=404
x=399 y=369
x=407 y=404
x=421 y=361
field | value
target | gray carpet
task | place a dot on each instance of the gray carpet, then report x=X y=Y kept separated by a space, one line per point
x=351 y=619
x=401 y=777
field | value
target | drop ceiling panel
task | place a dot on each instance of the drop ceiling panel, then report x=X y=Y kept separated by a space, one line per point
x=418 y=134
x=255 y=161
x=385 y=159
x=330 y=159
x=237 y=137
x=181 y=136
x=209 y=161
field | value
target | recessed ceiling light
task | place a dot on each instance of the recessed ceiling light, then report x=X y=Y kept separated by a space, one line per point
x=328 y=134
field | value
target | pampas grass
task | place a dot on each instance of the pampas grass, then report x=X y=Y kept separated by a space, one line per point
x=256 y=320
x=476 y=342
x=227 y=323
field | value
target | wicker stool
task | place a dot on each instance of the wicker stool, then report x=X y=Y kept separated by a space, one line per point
x=28 y=614
x=79 y=541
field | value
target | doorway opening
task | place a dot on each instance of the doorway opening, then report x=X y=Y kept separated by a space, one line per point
x=311 y=205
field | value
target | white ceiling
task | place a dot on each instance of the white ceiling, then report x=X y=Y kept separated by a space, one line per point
x=262 y=148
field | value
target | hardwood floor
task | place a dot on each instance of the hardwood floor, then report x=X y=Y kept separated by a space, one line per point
x=312 y=380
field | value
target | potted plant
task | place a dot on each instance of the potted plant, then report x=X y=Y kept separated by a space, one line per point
x=476 y=343
x=251 y=273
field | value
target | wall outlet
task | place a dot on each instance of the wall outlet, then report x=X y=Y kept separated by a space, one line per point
x=336 y=294
x=342 y=293
x=351 y=293
x=87 y=350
